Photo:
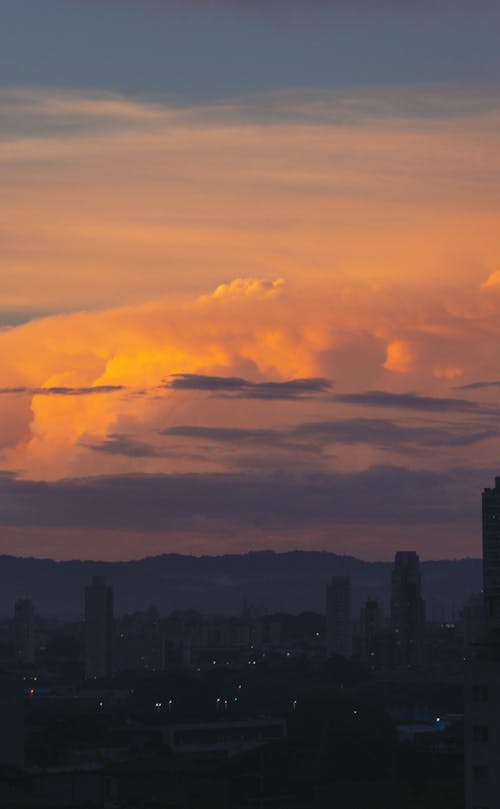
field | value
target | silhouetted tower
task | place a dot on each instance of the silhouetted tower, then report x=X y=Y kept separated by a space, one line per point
x=407 y=610
x=491 y=555
x=98 y=628
x=473 y=621
x=338 y=617
x=482 y=671
x=24 y=630
x=370 y=625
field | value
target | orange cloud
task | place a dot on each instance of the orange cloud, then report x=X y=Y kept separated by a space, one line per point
x=492 y=281
x=383 y=223
x=135 y=201
x=257 y=329
x=399 y=356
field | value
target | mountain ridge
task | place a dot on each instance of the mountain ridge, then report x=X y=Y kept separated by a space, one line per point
x=290 y=581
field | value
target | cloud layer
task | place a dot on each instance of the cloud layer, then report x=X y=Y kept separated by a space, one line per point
x=276 y=307
x=390 y=495
x=241 y=388
x=276 y=186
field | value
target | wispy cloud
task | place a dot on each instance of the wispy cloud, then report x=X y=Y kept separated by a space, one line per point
x=226 y=435
x=291 y=389
x=313 y=436
x=117 y=444
x=62 y=391
x=408 y=401
x=390 y=435
x=479 y=385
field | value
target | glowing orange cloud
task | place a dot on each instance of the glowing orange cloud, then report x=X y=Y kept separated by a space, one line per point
x=135 y=201
x=293 y=236
x=258 y=329
x=399 y=356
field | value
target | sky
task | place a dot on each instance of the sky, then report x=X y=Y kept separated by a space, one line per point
x=250 y=276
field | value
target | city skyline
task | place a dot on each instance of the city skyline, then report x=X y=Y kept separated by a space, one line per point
x=250 y=292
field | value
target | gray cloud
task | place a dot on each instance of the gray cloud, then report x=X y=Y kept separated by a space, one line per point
x=380 y=494
x=479 y=385
x=271 y=439
x=242 y=388
x=312 y=436
x=408 y=401
x=123 y=445
x=118 y=444
x=62 y=391
x=388 y=434
x=226 y=435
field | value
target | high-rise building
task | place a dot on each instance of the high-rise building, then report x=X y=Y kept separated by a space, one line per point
x=472 y=622
x=491 y=554
x=482 y=675
x=338 y=617
x=98 y=628
x=24 y=630
x=370 y=625
x=407 y=610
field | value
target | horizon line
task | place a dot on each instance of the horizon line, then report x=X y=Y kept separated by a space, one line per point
x=262 y=552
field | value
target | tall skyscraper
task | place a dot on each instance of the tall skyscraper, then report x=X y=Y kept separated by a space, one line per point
x=370 y=625
x=24 y=630
x=98 y=628
x=472 y=622
x=407 y=610
x=491 y=554
x=482 y=675
x=338 y=616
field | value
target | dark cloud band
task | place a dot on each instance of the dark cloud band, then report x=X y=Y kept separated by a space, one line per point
x=378 y=495
x=312 y=436
x=62 y=391
x=408 y=401
x=244 y=389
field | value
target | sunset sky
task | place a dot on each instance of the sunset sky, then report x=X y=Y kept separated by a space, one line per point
x=250 y=276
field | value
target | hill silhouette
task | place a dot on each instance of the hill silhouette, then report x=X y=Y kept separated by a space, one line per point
x=292 y=582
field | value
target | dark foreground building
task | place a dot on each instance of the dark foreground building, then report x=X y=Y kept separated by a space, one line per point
x=338 y=617
x=98 y=629
x=407 y=610
x=482 y=675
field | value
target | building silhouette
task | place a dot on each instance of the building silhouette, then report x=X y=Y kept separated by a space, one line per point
x=482 y=675
x=491 y=554
x=407 y=610
x=370 y=626
x=98 y=629
x=24 y=630
x=472 y=621
x=338 y=617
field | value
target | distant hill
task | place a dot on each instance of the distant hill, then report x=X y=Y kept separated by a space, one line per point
x=292 y=582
